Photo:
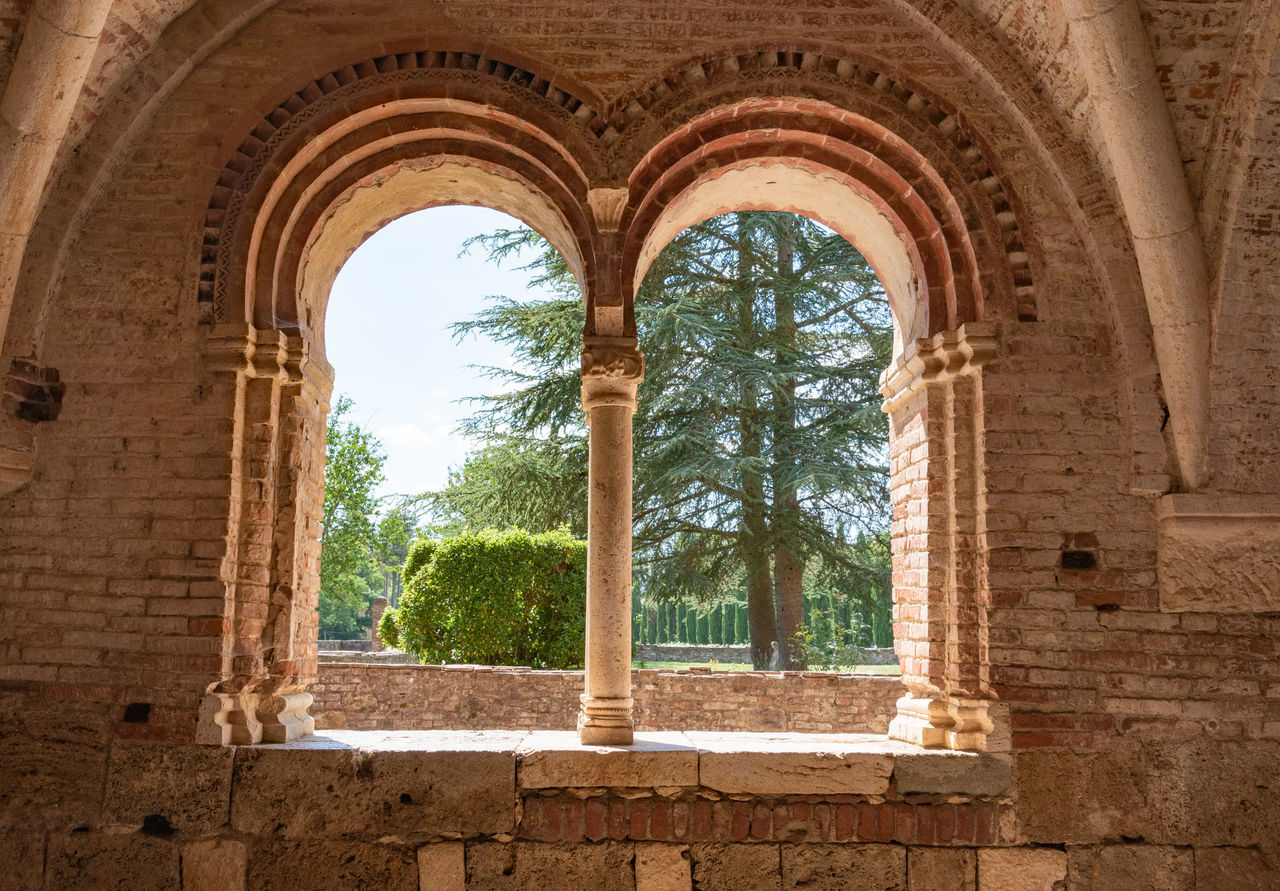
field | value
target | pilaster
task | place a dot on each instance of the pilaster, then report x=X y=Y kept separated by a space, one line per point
x=933 y=395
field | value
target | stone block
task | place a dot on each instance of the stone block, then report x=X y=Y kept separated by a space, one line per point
x=942 y=869
x=1236 y=869
x=532 y=865
x=735 y=867
x=1217 y=553
x=966 y=773
x=795 y=764
x=1212 y=794
x=1150 y=867
x=331 y=866
x=411 y=785
x=1021 y=869
x=1070 y=798
x=218 y=864
x=442 y=867
x=555 y=759
x=22 y=853
x=844 y=866
x=662 y=868
x=54 y=761
x=96 y=861
x=189 y=787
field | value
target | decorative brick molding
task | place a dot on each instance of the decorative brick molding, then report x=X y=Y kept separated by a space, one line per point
x=933 y=396
x=422 y=697
x=1219 y=553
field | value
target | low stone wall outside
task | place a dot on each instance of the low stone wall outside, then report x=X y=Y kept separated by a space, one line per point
x=357 y=645
x=464 y=697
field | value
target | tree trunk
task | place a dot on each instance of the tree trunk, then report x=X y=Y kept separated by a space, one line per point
x=753 y=534
x=788 y=568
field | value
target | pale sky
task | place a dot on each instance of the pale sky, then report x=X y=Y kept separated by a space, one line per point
x=387 y=337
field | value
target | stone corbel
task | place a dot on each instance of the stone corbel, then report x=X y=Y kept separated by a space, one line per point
x=29 y=395
x=1218 y=553
x=608 y=201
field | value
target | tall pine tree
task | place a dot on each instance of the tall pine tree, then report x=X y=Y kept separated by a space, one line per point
x=758 y=441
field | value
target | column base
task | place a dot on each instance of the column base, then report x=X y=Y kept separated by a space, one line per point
x=229 y=719
x=285 y=718
x=961 y=724
x=605 y=722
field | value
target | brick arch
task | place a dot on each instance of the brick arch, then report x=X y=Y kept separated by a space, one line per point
x=368 y=118
x=992 y=214
x=863 y=159
x=924 y=239
x=331 y=164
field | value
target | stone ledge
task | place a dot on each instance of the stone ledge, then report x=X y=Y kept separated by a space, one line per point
x=788 y=763
x=731 y=763
x=554 y=759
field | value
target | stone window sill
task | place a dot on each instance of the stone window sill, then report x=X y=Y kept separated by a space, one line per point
x=728 y=763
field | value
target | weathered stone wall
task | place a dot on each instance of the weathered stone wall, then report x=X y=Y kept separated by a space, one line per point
x=431 y=697
x=484 y=811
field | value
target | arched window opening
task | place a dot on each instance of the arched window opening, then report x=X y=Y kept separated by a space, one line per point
x=761 y=520
x=761 y=468
x=405 y=456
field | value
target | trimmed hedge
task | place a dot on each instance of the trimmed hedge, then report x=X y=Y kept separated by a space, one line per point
x=495 y=598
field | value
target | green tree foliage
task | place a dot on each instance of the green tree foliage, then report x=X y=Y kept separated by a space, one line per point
x=349 y=544
x=495 y=598
x=363 y=540
x=758 y=439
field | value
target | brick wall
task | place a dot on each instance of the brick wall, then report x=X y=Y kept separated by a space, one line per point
x=430 y=697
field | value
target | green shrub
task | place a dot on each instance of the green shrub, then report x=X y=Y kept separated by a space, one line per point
x=420 y=554
x=388 y=633
x=496 y=598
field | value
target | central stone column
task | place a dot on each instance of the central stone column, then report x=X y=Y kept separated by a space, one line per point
x=612 y=368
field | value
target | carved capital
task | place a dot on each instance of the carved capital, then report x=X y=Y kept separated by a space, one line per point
x=607 y=204
x=271 y=354
x=938 y=358
x=612 y=369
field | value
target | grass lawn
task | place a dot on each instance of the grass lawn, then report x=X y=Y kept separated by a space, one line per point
x=743 y=666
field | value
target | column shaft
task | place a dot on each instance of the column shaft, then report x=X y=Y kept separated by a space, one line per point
x=612 y=369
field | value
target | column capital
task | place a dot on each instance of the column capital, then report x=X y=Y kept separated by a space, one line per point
x=612 y=369
x=937 y=358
